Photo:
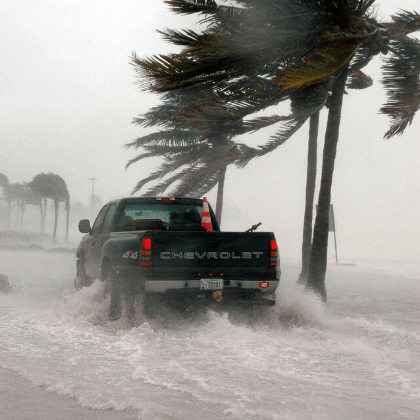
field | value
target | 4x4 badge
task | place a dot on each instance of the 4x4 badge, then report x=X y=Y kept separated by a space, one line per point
x=131 y=254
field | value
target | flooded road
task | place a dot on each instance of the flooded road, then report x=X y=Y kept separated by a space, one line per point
x=356 y=357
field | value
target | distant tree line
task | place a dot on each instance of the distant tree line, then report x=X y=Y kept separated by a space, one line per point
x=43 y=186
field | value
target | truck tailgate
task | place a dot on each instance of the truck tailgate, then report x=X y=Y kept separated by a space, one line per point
x=191 y=254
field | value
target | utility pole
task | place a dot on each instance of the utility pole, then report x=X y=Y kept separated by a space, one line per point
x=92 y=196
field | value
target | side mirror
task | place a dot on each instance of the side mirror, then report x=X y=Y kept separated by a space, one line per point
x=84 y=226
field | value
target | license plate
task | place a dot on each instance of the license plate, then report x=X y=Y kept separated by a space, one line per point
x=211 y=284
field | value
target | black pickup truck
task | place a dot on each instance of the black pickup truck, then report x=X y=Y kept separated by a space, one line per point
x=174 y=247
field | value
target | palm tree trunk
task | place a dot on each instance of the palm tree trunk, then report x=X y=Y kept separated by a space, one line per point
x=55 y=220
x=318 y=262
x=310 y=193
x=42 y=215
x=17 y=214
x=67 y=220
x=22 y=211
x=45 y=214
x=220 y=190
x=9 y=209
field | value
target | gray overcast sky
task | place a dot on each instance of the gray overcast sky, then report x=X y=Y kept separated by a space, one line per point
x=68 y=97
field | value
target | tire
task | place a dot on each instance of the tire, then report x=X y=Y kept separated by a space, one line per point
x=115 y=291
x=81 y=279
x=120 y=291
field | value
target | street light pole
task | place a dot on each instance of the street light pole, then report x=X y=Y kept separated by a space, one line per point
x=93 y=189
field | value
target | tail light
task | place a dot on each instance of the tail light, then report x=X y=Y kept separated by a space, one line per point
x=274 y=259
x=146 y=251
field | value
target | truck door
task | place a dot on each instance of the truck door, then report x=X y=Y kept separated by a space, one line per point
x=90 y=247
x=103 y=235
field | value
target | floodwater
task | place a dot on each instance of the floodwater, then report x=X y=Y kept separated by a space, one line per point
x=357 y=357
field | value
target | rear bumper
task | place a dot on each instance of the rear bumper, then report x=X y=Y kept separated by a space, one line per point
x=233 y=290
x=242 y=293
x=164 y=286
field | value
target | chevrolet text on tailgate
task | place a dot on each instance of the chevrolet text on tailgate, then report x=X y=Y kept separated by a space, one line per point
x=173 y=248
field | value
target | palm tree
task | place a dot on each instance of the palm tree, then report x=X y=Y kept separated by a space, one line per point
x=13 y=192
x=357 y=80
x=319 y=249
x=402 y=83
x=193 y=169
x=165 y=80
x=309 y=197
x=257 y=56
x=196 y=153
x=54 y=187
x=4 y=184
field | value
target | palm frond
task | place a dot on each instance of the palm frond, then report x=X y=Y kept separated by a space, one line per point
x=364 y=5
x=286 y=131
x=401 y=79
x=184 y=38
x=248 y=45
x=170 y=137
x=175 y=158
x=358 y=80
x=189 y=7
x=165 y=184
x=165 y=169
x=212 y=11
x=196 y=168
x=197 y=183
x=403 y=23
x=320 y=65
x=144 y=181
x=140 y=157
x=240 y=126
x=310 y=100
x=193 y=152
x=362 y=58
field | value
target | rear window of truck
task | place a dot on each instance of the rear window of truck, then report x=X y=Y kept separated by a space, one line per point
x=173 y=214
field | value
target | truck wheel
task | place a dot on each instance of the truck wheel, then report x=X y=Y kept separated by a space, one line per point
x=115 y=294
x=81 y=279
x=118 y=291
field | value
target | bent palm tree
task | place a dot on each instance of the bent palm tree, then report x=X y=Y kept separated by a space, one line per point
x=290 y=50
x=19 y=193
x=197 y=152
x=193 y=169
x=54 y=187
x=319 y=249
x=4 y=184
x=403 y=85
x=356 y=80
x=257 y=56
x=309 y=197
